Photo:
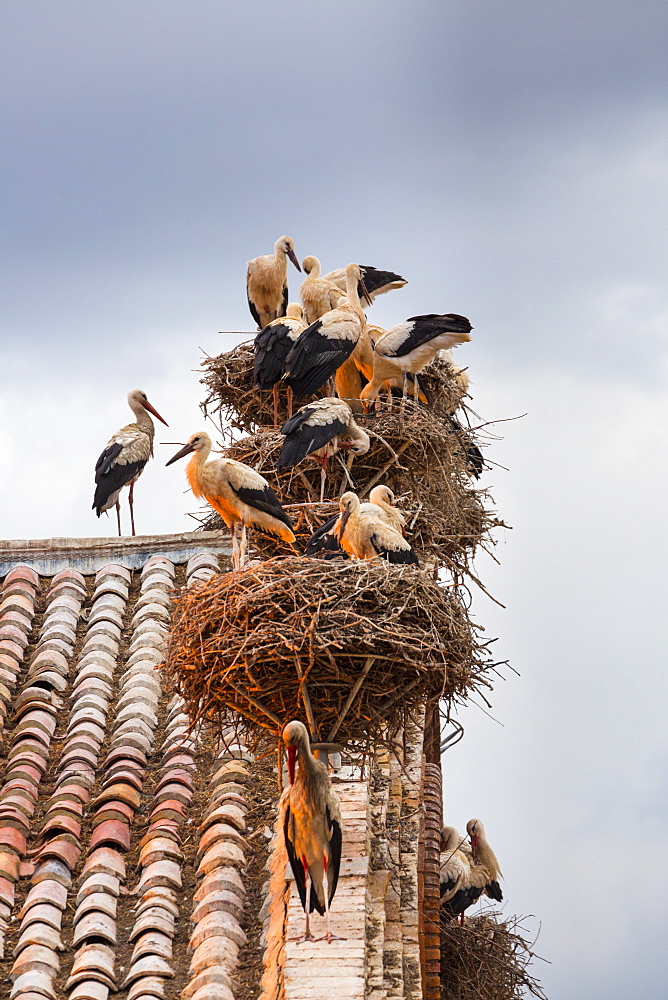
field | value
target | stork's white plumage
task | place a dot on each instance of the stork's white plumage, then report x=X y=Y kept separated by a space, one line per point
x=380 y=505
x=410 y=346
x=124 y=457
x=310 y=817
x=272 y=346
x=325 y=344
x=455 y=863
x=242 y=497
x=317 y=294
x=375 y=281
x=319 y=430
x=267 y=282
x=365 y=536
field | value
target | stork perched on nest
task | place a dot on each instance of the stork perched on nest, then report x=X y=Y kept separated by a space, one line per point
x=124 y=457
x=267 y=282
x=410 y=346
x=376 y=282
x=325 y=344
x=319 y=430
x=241 y=495
x=365 y=536
x=310 y=816
x=380 y=505
x=272 y=346
x=317 y=294
x=461 y=887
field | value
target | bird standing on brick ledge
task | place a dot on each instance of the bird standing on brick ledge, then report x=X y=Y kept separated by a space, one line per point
x=241 y=495
x=122 y=461
x=311 y=820
x=267 y=282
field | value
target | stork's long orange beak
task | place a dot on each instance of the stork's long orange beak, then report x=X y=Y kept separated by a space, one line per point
x=152 y=409
x=187 y=448
x=292 y=754
x=293 y=258
x=363 y=293
x=474 y=846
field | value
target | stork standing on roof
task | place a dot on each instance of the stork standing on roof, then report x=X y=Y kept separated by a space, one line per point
x=410 y=346
x=122 y=461
x=310 y=816
x=242 y=497
x=267 y=282
x=365 y=536
x=379 y=505
x=272 y=346
x=325 y=344
x=319 y=430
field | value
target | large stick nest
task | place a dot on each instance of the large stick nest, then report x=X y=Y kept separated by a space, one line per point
x=486 y=959
x=233 y=396
x=419 y=456
x=289 y=638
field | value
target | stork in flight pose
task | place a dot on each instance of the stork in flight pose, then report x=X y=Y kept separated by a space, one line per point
x=122 y=461
x=267 y=282
x=311 y=819
x=241 y=495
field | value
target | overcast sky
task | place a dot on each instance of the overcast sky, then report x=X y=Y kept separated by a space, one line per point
x=511 y=160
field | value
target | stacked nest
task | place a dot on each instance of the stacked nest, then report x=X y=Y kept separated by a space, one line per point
x=486 y=959
x=238 y=403
x=352 y=648
x=420 y=457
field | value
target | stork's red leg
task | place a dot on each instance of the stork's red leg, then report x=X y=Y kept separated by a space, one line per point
x=118 y=515
x=289 y=394
x=329 y=937
x=132 y=513
x=307 y=936
x=323 y=477
x=275 y=395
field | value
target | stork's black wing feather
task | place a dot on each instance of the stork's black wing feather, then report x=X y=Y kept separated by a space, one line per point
x=405 y=557
x=493 y=890
x=285 y=299
x=111 y=476
x=272 y=346
x=335 y=854
x=375 y=279
x=295 y=863
x=322 y=540
x=254 y=313
x=461 y=901
x=302 y=438
x=313 y=359
x=426 y=327
x=264 y=500
x=447 y=885
x=475 y=461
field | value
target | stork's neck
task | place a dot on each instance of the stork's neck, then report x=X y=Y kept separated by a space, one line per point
x=195 y=469
x=484 y=855
x=351 y=291
x=143 y=419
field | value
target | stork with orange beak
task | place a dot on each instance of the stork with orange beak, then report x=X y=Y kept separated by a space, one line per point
x=365 y=536
x=310 y=816
x=124 y=457
x=482 y=875
x=241 y=496
x=267 y=282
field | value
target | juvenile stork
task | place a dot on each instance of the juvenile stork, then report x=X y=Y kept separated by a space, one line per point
x=317 y=294
x=365 y=536
x=311 y=821
x=123 y=460
x=272 y=346
x=242 y=497
x=376 y=282
x=321 y=429
x=379 y=505
x=267 y=282
x=482 y=877
x=410 y=346
x=325 y=344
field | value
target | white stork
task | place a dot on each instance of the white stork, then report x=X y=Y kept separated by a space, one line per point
x=482 y=875
x=410 y=346
x=311 y=819
x=272 y=346
x=325 y=344
x=267 y=282
x=241 y=495
x=379 y=505
x=317 y=294
x=123 y=460
x=321 y=429
x=455 y=864
x=376 y=282
x=365 y=536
